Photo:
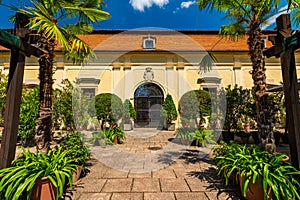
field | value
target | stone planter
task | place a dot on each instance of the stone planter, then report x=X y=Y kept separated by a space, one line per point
x=127 y=127
x=171 y=127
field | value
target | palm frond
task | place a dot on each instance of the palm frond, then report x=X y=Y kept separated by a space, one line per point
x=79 y=28
x=233 y=31
x=93 y=15
x=207 y=62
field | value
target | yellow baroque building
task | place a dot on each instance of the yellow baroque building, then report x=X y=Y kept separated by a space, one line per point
x=146 y=65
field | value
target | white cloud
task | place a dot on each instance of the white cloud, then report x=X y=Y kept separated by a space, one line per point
x=272 y=20
x=141 y=4
x=186 y=4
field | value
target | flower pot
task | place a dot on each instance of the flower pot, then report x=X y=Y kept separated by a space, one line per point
x=43 y=189
x=247 y=127
x=77 y=173
x=254 y=192
x=116 y=141
x=184 y=141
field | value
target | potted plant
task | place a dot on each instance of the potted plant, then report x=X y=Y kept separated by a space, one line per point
x=116 y=135
x=99 y=138
x=185 y=135
x=128 y=115
x=260 y=172
x=203 y=137
x=22 y=179
x=169 y=112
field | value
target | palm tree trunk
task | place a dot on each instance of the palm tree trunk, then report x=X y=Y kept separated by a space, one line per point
x=44 y=127
x=256 y=45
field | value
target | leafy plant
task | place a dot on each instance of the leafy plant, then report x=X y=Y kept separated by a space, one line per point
x=62 y=106
x=77 y=150
x=271 y=173
x=185 y=133
x=203 y=137
x=18 y=180
x=194 y=104
x=129 y=112
x=3 y=88
x=169 y=111
x=109 y=108
x=113 y=132
x=99 y=136
x=28 y=112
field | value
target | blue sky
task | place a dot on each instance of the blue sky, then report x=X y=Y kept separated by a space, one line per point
x=132 y=14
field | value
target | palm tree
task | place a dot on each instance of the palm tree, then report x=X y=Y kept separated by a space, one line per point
x=46 y=17
x=247 y=17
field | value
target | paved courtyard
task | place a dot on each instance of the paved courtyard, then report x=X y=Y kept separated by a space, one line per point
x=151 y=165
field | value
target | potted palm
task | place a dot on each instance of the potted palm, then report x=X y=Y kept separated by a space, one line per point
x=37 y=176
x=169 y=112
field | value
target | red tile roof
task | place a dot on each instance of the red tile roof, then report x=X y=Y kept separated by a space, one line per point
x=166 y=40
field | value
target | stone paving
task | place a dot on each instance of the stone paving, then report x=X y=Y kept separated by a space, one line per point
x=151 y=165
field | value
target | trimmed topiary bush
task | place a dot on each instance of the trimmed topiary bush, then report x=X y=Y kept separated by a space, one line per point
x=129 y=112
x=194 y=104
x=169 y=111
x=109 y=108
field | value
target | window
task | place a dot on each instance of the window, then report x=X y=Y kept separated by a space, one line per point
x=89 y=92
x=149 y=42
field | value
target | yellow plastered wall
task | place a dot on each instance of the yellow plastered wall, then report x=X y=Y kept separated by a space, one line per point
x=226 y=75
x=105 y=82
x=72 y=75
x=191 y=78
x=247 y=78
x=31 y=74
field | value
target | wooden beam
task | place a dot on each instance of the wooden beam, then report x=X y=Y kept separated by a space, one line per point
x=13 y=99
x=291 y=90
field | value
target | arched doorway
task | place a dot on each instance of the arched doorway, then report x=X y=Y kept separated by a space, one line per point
x=148 y=99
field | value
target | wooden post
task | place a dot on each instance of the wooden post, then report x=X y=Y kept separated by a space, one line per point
x=13 y=99
x=289 y=75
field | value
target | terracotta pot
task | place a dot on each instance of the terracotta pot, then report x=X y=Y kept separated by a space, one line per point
x=247 y=127
x=43 y=189
x=254 y=192
x=116 y=140
x=184 y=141
x=76 y=174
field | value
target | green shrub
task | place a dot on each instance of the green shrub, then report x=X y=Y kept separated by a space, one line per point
x=3 y=89
x=129 y=112
x=77 y=150
x=28 y=112
x=109 y=108
x=169 y=111
x=194 y=104
x=62 y=106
